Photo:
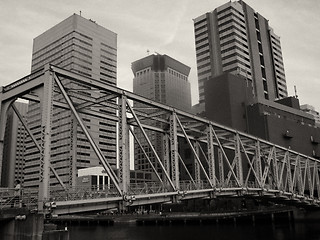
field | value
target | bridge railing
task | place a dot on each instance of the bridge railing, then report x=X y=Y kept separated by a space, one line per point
x=147 y=188
x=95 y=192
x=82 y=193
x=11 y=198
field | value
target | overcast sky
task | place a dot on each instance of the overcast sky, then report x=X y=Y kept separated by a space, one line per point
x=165 y=27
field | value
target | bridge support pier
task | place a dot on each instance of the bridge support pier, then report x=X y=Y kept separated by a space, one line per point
x=29 y=227
x=308 y=215
x=122 y=206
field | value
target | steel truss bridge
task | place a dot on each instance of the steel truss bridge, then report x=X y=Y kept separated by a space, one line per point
x=225 y=162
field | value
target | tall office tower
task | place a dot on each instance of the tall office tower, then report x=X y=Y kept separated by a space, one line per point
x=234 y=38
x=14 y=148
x=84 y=47
x=165 y=80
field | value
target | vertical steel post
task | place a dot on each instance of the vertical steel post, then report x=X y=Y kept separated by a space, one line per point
x=289 y=176
x=210 y=146
x=238 y=159
x=317 y=182
x=257 y=162
x=197 y=171
x=174 y=152
x=3 y=119
x=45 y=151
x=73 y=151
x=221 y=167
x=299 y=176
x=124 y=158
x=166 y=155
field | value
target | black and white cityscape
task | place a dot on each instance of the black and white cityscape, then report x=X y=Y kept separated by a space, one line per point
x=132 y=140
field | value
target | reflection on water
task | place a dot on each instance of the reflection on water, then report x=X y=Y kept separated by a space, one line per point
x=297 y=231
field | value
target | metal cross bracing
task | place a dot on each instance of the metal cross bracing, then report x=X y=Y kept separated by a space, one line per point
x=197 y=158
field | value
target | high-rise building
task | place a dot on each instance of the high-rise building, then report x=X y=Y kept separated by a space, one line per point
x=82 y=46
x=14 y=148
x=235 y=38
x=79 y=45
x=165 y=80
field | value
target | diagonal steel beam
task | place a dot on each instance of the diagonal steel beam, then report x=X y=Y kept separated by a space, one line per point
x=95 y=148
x=267 y=167
x=146 y=155
x=295 y=174
x=214 y=178
x=185 y=167
x=150 y=145
x=233 y=164
x=250 y=165
x=97 y=101
x=225 y=156
x=193 y=150
x=65 y=106
x=16 y=111
x=309 y=177
x=282 y=170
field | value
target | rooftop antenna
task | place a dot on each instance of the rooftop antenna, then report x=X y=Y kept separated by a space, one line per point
x=295 y=92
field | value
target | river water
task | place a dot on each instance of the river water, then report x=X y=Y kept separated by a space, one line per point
x=124 y=231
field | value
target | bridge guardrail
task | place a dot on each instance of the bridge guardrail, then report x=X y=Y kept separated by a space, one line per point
x=28 y=198
x=82 y=192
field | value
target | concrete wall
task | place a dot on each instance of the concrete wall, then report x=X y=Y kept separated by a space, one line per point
x=284 y=129
x=226 y=98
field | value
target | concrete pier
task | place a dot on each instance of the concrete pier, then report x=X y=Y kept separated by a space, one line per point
x=28 y=226
x=22 y=227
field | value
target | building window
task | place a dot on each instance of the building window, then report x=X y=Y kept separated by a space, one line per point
x=265 y=85
x=261 y=60
x=263 y=72
x=260 y=48
x=256 y=23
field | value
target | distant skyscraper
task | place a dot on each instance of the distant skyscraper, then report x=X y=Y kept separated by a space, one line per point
x=14 y=148
x=234 y=38
x=165 y=80
x=84 y=47
x=79 y=45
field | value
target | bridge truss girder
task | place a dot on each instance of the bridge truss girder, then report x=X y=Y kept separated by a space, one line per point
x=225 y=161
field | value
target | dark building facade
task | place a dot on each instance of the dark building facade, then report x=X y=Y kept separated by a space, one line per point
x=285 y=126
x=230 y=102
x=14 y=147
x=227 y=97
